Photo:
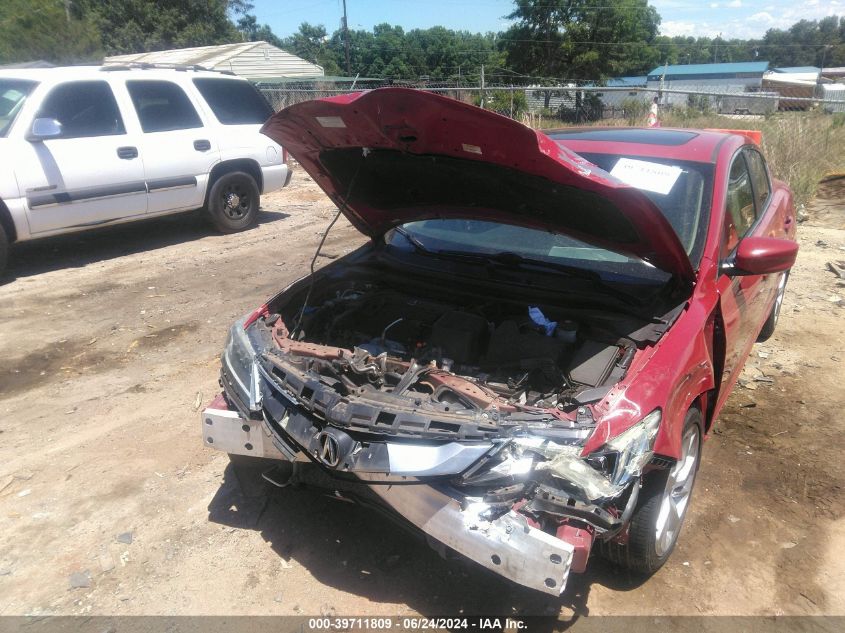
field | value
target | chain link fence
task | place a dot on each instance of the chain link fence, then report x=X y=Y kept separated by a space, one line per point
x=580 y=102
x=803 y=125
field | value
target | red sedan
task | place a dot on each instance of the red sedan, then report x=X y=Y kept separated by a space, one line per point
x=522 y=362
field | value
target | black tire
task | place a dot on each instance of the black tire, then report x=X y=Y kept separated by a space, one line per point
x=772 y=321
x=233 y=202
x=643 y=554
x=4 y=249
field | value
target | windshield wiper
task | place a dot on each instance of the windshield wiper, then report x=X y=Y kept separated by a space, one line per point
x=513 y=260
x=418 y=246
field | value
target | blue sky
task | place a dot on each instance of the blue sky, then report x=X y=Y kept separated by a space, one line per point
x=731 y=18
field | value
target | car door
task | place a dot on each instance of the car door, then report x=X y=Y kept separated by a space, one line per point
x=744 y=299
x=178 y=150
x=91 y=172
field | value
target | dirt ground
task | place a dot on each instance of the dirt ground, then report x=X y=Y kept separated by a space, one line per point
x=110 y=504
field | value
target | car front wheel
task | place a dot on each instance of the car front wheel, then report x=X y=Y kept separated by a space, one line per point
x=771 y=322
x=662 y=506
x=233 y=202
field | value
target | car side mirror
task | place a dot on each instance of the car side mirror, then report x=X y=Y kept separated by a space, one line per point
x=43 y=129
x=761 y=256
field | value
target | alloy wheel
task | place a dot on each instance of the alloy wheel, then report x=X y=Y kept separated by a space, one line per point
x=779 y=297
x=677 y=493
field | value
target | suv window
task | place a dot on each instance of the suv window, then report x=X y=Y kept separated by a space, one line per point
x=234 y=102
x=162 y=106
x=759 y=178
x=13 y=94
x=84 y=108
x=740 y=213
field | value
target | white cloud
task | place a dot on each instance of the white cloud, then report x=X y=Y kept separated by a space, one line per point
x=696 y=29
x=714 y=5
x=735 y=4
x=748 y=23
x=677 y=27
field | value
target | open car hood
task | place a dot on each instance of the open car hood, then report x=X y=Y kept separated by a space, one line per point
x=397 y=155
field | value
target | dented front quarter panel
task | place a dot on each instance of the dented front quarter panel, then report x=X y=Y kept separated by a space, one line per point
x=669 y=376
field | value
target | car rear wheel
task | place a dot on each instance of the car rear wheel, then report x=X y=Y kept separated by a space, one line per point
x=662 y=506
x=233 y=202
x=772 y=321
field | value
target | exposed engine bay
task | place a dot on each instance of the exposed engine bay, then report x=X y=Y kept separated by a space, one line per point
x=492 y=357
x=484 y=402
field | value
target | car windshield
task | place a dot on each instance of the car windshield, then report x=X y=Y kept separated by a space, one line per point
x=686 y=206
x=685 y=200
x=13 y=94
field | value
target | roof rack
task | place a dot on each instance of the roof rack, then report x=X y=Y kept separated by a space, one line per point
x=153 y=66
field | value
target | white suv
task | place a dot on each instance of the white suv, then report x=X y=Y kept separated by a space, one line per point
x=88 y=146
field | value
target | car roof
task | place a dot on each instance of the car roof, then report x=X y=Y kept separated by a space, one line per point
x=70 y=73
x=678 y=143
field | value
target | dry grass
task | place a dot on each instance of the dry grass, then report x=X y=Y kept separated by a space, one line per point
x=801 y=147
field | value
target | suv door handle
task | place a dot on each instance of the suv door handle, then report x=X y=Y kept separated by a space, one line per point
x=202 y=145
x=127 y=152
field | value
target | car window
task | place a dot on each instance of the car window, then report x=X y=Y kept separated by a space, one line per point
x=13 y=94
x=234 y=102
x=759 y=178
x=84 y=108
x=739 y=212
x=162 y=106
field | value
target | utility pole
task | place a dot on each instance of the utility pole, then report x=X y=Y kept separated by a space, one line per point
x=346 y=39
x=67 y=10
x=482 y=85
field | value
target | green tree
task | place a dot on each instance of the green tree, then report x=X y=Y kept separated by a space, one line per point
x=310 y=43
x=436 y=54
x=808 y=43
x=581 y=39
x=133 y=26
x=40 y=29
x=248 y=24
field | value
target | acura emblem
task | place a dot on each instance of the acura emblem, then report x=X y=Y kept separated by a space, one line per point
x=329 y=449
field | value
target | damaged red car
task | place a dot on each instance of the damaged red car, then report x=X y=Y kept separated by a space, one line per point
x=523 y=360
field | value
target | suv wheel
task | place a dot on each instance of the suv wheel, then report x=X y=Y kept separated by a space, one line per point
x=233 y=202
x=662 y=506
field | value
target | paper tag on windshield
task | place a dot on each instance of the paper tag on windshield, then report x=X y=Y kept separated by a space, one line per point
x=645 y=175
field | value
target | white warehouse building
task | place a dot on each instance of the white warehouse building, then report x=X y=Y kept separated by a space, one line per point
x=730 y=78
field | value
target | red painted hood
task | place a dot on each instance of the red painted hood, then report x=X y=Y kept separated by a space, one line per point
x=397 y=155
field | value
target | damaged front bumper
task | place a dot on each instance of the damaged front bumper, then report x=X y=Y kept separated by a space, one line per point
x=435 y=487
x=506 y=545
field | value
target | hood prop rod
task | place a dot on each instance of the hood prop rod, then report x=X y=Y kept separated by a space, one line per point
x=341 y=207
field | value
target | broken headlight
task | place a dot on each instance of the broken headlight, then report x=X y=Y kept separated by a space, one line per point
x=239 y=364
x=631 y=450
